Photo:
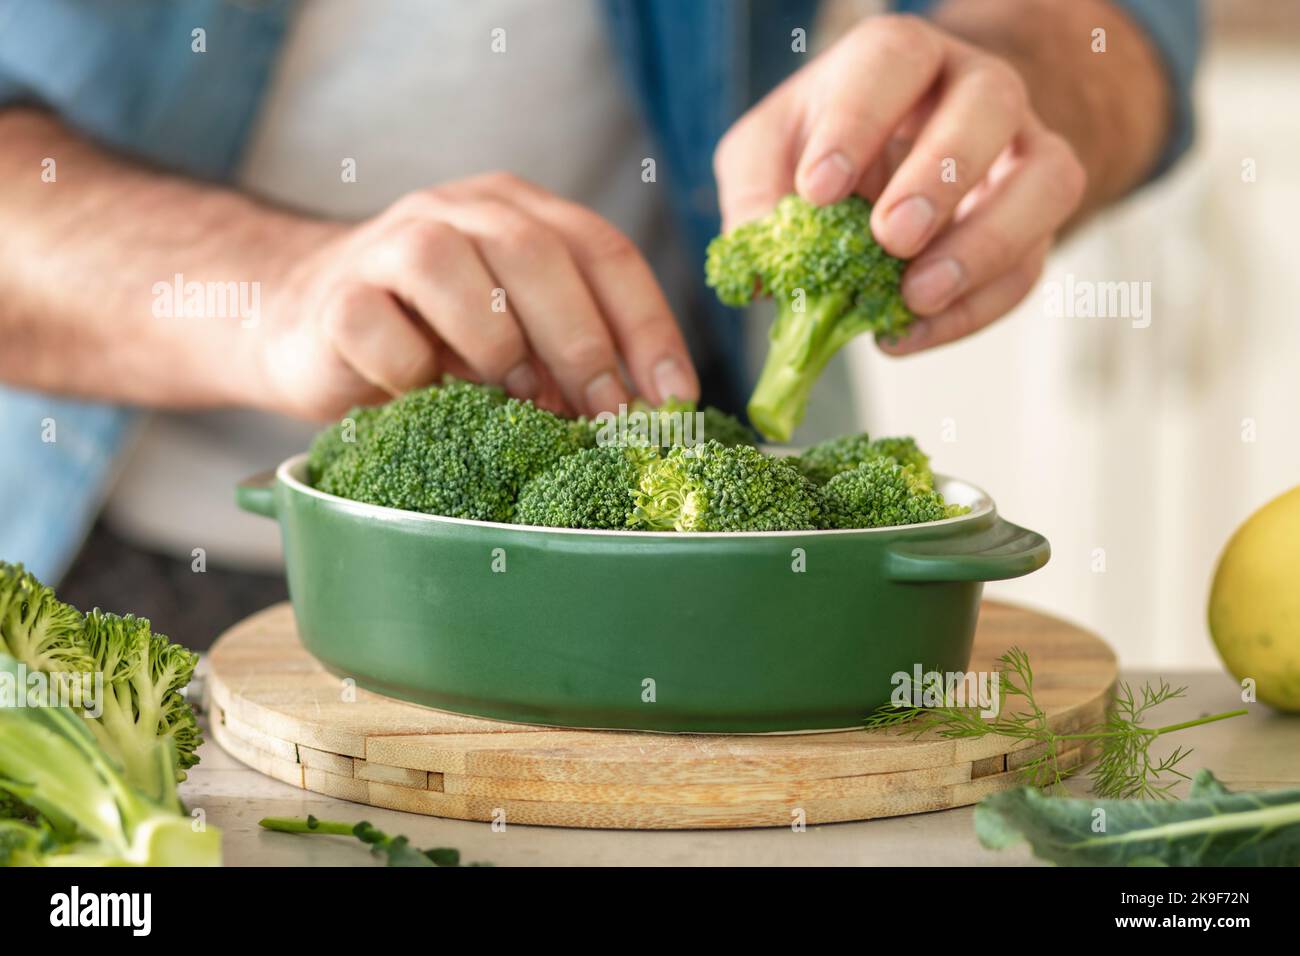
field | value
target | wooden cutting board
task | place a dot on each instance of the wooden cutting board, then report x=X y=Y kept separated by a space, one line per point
x=273 y=707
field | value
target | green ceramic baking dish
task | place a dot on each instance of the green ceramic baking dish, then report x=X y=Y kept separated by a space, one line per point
x=726 y=633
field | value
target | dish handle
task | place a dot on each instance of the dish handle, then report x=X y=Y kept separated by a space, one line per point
x=256 y=494
x=1003 y=550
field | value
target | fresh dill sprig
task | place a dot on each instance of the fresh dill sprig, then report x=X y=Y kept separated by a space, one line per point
x=1125 y=767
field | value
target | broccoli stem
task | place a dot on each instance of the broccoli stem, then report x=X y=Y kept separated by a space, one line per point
x=802 y=342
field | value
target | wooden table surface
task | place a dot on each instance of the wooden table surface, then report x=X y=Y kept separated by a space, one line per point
x=1259 y=750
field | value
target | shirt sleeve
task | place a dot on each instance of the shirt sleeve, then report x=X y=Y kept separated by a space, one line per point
x=1175 y=30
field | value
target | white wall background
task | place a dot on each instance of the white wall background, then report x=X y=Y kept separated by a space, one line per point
x=1105 y=436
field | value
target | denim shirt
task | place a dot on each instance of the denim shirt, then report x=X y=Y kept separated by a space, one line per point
x=122 y=72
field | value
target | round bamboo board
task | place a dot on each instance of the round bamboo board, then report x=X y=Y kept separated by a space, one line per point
x=273 y=707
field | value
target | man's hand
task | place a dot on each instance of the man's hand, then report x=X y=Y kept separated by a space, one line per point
x=967 y=179
x=490 y=278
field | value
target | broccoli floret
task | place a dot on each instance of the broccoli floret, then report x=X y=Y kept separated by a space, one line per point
x=593 y=488
x=144 y=721
x=825 y=460
x=831 y=281
x=675 y=422
x=880 y=493
x=459 y=450
x=330 y=443
x=36 y=628
x=144 y=676
x=714 y=487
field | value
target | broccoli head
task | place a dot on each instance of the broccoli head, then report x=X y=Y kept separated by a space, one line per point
x=144 y=679
x=675 y=422
x=459 y=450
x=592 y=488
x=880 y=493
x=831 y=282
x=825 y=460
x=144 y=721
x=715 y=487
x=36 y=628
x=330 y=443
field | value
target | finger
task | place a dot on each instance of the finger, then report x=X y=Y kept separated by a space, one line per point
x=1029 y=203
x=753 y=163
x=545 y=288
x=974 y=311
x=873 y=83
x=624 y=287
x=437 y=273
x=980 y=110
x=372 y=334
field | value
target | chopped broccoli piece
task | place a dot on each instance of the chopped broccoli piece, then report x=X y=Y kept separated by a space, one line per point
x=459 y=450
x=88 y=812
x=145 y=723
x=144 y=678
x=37 y=628
x=825 y=460
x=714 y=487
x=831 y=282
x=592 y=488
x=881 y=493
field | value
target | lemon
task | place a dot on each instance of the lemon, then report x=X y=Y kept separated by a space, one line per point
x=1255 y=602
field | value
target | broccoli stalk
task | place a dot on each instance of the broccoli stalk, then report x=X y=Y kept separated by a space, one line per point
x=89 y=812
x=831 y=282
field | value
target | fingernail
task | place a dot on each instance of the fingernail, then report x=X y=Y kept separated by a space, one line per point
x=604 y=393
x=913 y=339
x=829 y=179
x=933 y=286
x=908 y=224
x=672 y=381
x=521 y=381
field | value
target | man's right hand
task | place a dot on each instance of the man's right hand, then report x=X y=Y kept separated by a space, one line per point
x=489 y=278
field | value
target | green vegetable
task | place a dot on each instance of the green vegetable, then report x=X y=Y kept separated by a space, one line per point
x=397 y=849
x=1212 y=827
x=87 y=811
x=675 y=422
x=881 y=493
x=1126 y=768
x=825 y=460
x=592 y=488
x=831 y=282
x=714 y=487
x=331 y=443
x=144 y=711
x=468 y=451
x=459 y=450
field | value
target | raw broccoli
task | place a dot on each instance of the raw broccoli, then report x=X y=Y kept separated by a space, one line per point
x=714 y=487
x=144 y=679
x=37 y=628
x=330 y=443
x=831 y=281
x=675 y=422
x=825 y=460
x=145 y=723
x=592 y=488
x=87 y=812
x=459 y=450
x=880 y=493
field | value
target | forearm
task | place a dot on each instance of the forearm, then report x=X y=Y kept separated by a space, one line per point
x=1113 y=106
x=80 y=258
